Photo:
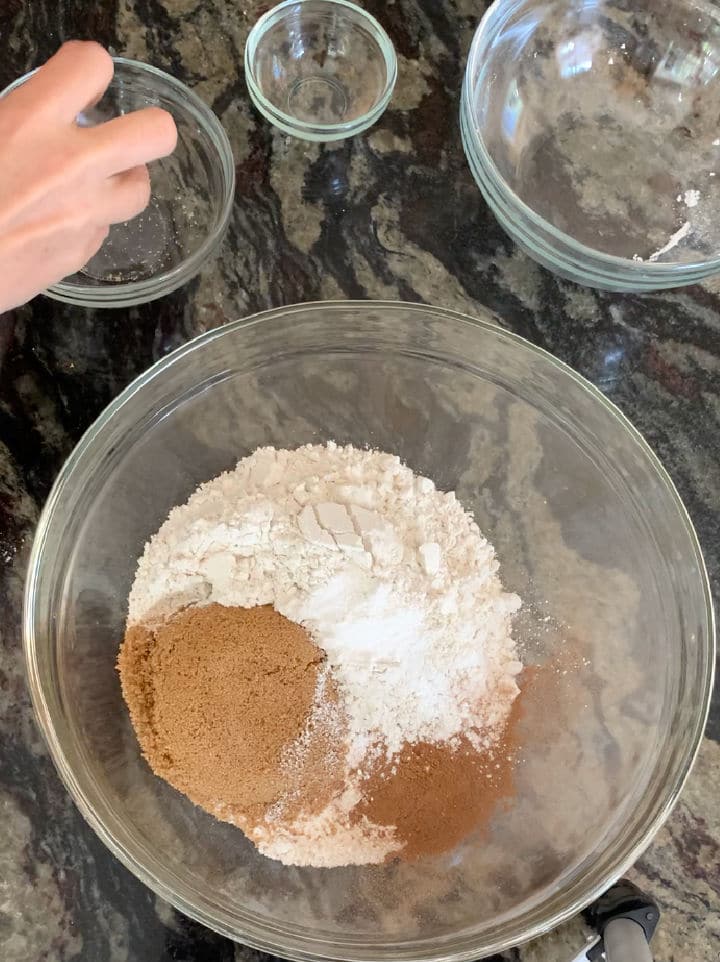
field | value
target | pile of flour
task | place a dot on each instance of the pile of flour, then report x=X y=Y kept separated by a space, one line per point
x=391 y=577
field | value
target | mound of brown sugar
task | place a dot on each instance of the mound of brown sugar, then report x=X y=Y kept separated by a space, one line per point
x=216 y=696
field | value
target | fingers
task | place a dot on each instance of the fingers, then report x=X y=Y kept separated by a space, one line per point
x=34 y=257
x=77 y=75
x=67 y=260
x=133 y=139
x=92 y=245
x=111 y=201
x=128 y=195
x=72 y=80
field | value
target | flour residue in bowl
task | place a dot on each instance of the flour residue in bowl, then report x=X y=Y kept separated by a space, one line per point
x=332 y=628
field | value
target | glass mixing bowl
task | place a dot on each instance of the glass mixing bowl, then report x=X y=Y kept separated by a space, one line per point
x=320 y=70
x=589 y=531
x=192 y=197
x=592 y=131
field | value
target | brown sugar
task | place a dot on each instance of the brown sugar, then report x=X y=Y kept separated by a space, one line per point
x=217 y=695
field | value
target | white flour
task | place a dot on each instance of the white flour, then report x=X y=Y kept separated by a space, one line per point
x=391 y=576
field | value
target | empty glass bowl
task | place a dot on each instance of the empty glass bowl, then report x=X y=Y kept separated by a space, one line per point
x=588 y=528
x=192 y=196
x=320 y=69
x=592 y=130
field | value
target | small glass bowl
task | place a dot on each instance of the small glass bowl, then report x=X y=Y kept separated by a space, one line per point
x=320 y=70
x=192 y=196
x=591 y=129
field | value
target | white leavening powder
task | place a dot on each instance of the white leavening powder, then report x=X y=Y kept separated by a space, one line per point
x=391 y=577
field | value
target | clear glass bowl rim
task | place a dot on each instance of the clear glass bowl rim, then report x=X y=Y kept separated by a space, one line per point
x=279 y=938
x=140 y=292
x=287 y=122
x=493 y=19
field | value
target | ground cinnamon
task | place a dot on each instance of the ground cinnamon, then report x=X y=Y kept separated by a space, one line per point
x=437 y=794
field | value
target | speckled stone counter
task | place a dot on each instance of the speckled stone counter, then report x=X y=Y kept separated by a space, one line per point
x=391 y=214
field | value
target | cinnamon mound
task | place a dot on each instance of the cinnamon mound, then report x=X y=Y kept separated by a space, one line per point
x=438 y=794
x=216 y=696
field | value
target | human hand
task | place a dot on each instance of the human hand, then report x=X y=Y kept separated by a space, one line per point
x=62 y=185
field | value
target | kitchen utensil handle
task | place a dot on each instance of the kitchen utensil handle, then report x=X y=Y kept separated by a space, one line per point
x=625 y=941
x=625 y=919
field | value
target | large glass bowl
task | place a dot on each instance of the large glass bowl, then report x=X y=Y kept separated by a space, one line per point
x=592 y=130
x=588 y=528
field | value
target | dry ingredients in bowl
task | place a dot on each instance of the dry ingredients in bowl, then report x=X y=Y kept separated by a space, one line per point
x=319 y=651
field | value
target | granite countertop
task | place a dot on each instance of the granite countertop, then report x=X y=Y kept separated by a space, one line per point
x=393 y=214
